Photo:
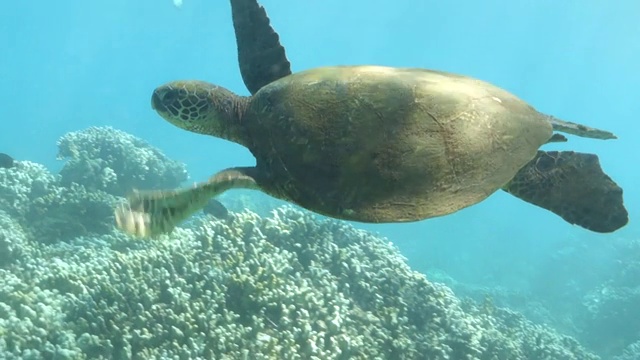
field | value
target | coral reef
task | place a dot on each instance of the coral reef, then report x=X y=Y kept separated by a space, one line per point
x=21 y=184
x=593 y=303
x=610 y=306
x=256 y=201
x=69 y=212
x=103 y=158
x=6 y=161
x=80 y=200
x=50 y=212
x=12 y=240
x=631 y=352
x=282 y=286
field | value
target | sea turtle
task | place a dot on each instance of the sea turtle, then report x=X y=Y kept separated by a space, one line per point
x=373 y=143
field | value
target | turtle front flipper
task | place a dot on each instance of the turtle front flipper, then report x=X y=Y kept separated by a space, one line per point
x=151 y=213
x=261 y=56
x=571 y=185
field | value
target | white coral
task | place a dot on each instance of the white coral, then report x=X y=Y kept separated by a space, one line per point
x=111 y=160
x=21 y=184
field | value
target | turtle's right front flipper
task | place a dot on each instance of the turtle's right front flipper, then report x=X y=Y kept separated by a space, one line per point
x=573 y=186
x=151 y=213
x=261 y=56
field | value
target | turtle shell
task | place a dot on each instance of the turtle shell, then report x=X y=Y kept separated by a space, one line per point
x=380 y=144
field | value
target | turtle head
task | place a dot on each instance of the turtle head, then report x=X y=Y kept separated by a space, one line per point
x=201 y=107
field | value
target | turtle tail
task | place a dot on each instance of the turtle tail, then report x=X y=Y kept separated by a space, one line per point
x=572 y=185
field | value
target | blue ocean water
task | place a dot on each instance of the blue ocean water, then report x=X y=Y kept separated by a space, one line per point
x=68 y=65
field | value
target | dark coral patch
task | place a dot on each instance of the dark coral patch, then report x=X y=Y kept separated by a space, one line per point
x=6 y=161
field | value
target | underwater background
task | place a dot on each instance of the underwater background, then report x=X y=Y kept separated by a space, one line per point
x=76 y=73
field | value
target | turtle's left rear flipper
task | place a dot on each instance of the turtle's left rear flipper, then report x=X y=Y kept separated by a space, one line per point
x=573 y=186
x=261 y=56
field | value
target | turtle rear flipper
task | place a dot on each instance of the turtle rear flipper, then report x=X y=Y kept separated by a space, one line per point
x=571 y=185
x=261 y=56
x=579 y=129
x=151 y=213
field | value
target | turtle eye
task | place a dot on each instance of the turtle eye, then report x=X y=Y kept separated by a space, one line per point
x=164 y=97
x=170 y=97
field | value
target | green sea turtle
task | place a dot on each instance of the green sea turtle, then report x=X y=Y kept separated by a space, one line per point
x=373 y=143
